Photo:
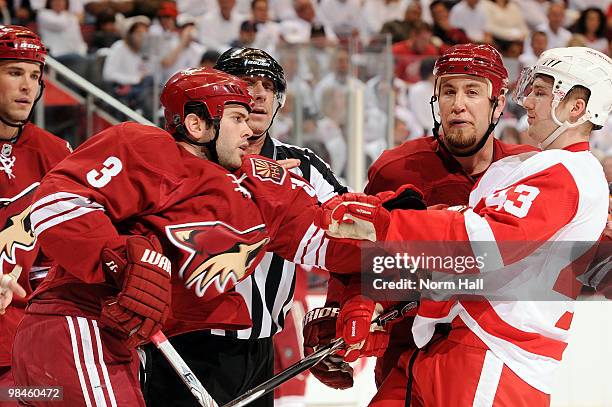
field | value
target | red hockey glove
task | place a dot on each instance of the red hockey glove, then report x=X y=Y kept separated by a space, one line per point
x=319 y=330
x=354 y=325
x=356 y=216
x=143 y=273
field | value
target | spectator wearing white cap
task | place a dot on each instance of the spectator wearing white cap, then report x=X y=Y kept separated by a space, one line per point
x=125 y=68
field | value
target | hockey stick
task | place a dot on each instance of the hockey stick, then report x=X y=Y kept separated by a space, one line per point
x=287 y=374
x=312 y=359
x=184 y=372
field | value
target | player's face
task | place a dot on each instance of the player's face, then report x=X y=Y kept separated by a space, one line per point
x=538 y=105
x=465 y=110
x=18 y=89
x=233 y=134
x=262 y=90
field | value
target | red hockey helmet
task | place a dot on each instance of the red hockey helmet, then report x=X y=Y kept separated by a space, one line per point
x=20 y=43
x=214 y=89
x=478 y=60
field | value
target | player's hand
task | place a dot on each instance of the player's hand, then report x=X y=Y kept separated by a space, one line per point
x=143 y=274
x=355 y=326
x=319 y=330
x=289 y=163
x=356 y=216
x=10 y=287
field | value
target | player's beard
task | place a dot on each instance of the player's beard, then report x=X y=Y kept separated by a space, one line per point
x=459 y=139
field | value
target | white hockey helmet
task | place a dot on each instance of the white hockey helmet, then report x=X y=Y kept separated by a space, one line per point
x=570 y=67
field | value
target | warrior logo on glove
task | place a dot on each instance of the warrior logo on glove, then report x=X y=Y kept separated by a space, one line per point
x=217 y=252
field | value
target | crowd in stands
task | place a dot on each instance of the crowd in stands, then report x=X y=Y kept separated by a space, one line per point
x=325 y=46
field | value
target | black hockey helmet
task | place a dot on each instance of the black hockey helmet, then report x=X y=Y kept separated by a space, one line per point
x=254 y=62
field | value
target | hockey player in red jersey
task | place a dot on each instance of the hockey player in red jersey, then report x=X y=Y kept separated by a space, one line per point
x=162 y=234
x=506 y=351
x=445 y=167
x=26 y=154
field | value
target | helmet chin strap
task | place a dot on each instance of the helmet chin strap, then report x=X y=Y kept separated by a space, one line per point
x=479 y=145
x=562 y=126
x=278 y=106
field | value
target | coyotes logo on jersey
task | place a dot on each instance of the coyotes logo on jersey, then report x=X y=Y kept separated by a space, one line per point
x=15 y=227
x=268 y=171
x=218 y=253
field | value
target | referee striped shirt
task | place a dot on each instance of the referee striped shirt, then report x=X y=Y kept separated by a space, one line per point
x=268 y=292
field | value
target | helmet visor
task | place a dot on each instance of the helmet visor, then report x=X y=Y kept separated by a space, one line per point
x=524 y=85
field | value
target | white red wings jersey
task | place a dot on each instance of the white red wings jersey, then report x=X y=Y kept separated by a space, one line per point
x=23 y=163
x=213 y=225
x=553 y=196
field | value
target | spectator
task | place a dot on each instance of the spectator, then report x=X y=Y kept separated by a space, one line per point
x=220 y=26
x=124 y=7
x=209 y=59
x=343 y=16
x=442 y=27
x=471 y=17
x=330 y=128
x=539 y=44
x=338 y=78
x=268 y=31
x=592 y=25
x=378 y=12
x=106 y=33
x=419 y=96
x=246 y=35
x=534 y=12
x=505 y=20
x=183 y=52
x=401 y=30
x=557 y=35
x=409 y=53
x=5 y=13
x=195 y=8
x=60 y=30
x=299 y=29
x=125 y=68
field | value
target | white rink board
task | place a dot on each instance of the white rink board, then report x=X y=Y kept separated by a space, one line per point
x=584 y=380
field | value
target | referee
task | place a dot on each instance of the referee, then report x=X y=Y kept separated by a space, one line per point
x=228 y=363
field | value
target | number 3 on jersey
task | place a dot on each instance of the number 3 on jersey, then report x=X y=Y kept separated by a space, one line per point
x=111 y=167
x=515 y=200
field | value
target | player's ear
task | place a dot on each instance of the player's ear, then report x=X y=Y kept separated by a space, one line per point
x=197 y=127
x=501 y=104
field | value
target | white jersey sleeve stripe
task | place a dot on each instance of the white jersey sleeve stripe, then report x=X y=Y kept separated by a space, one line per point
x=479 y=231
x=57 y=208
x=489 y=380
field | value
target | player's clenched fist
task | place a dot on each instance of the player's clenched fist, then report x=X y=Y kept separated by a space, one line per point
x=142 y=273
x=357 y=216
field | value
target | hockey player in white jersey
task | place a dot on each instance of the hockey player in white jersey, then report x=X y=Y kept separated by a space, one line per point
x=502 y=353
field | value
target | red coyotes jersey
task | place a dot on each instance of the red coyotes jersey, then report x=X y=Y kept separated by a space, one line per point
x=22 y=166
x=554 y=196
x=213 y=225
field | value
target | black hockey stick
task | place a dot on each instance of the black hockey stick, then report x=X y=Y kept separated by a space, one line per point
x=287 y=374
x=184 y=372
x=312 y=359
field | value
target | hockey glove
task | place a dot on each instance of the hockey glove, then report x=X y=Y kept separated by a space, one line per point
x=143 y=274
x=354 y=325
x=319 y=330
x=356 y=216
